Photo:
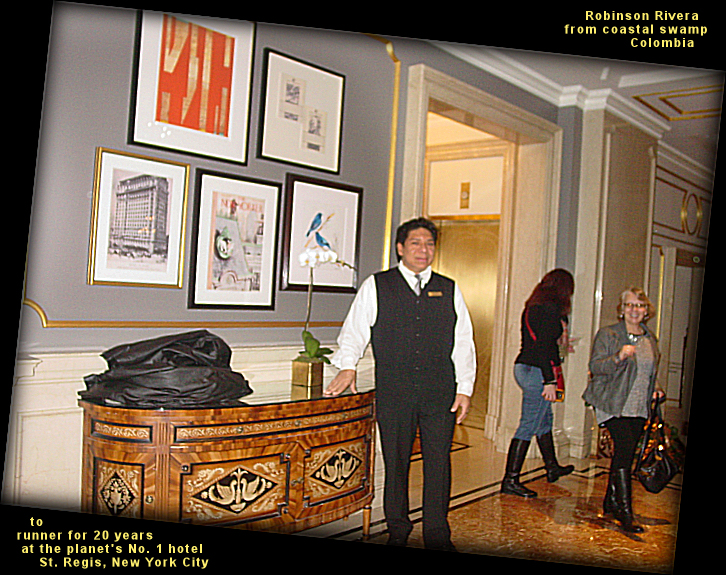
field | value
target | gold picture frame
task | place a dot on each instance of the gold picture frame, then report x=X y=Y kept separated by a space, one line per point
x=138 y=220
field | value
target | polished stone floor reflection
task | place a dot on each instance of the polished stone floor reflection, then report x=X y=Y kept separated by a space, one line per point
x=564 y=524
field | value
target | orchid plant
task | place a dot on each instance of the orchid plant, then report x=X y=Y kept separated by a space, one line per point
x=312 y=258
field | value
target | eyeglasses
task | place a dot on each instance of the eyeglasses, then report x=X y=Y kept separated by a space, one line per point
x=635 y=305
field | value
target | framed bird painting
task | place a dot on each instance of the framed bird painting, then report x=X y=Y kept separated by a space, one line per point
x=321 y=232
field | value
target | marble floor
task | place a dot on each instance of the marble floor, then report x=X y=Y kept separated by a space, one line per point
x=564 y=524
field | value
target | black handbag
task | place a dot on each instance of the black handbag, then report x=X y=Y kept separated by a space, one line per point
x=656 y=466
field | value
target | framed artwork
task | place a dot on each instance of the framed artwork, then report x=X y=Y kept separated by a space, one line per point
x=235 y=242
x=191 y=88
x=321 y=216
x=302 y=113
x=138 y=220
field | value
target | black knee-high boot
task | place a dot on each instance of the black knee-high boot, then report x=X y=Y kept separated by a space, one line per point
x=623 y=511
x=515 y=459
x=609 y=503
x=554 y=469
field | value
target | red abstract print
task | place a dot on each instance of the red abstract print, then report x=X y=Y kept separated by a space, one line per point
x=195 y=77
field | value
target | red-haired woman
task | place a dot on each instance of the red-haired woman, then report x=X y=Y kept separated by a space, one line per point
x=544 y=321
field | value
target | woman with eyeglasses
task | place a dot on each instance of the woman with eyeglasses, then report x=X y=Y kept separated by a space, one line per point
x=624 y=368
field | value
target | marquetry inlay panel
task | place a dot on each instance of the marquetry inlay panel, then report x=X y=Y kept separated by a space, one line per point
x=121 y=432
x=236 y=490
x=118 y=489
x=337 y=470
x=197 y=433
x=278 y=467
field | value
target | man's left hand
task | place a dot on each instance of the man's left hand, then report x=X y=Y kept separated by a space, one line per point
x=462 y=403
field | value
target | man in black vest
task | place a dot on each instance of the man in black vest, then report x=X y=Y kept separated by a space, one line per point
x=425 y=366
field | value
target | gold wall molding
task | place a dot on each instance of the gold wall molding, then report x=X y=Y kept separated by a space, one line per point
x=661 y=288
x=387 y=231
x=677 y=105
x=685 y=213
x=688 y=226
x=46 y=322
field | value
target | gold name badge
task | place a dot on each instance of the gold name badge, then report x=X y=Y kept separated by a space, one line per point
x=435 y=293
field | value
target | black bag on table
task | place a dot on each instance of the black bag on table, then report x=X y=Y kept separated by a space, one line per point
x=184 y=371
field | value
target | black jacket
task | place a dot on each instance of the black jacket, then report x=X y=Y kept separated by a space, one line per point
x=541 y=328
x=187 y=370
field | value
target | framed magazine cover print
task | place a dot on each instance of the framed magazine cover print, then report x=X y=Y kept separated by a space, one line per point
x=235 y=242
x=302 y=115
x=138 y=220
x=191 y=85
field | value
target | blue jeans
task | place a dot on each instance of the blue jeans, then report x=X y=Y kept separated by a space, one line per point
x=536 y=418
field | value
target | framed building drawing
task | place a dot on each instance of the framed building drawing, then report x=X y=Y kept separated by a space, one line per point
x=191 y=85
x=138 y=220
x=321 y=216
x=235 y=242
x=302 y=113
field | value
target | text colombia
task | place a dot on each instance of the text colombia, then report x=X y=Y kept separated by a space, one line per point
x=675 y=34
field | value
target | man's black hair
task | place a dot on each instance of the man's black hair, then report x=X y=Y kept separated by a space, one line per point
x=407 y=227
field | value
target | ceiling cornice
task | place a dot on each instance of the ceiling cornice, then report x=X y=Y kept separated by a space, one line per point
x=500 y=65
x=627 y=110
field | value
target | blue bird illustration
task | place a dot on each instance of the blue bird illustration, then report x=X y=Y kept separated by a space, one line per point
x=315 y=224
x=322 y=242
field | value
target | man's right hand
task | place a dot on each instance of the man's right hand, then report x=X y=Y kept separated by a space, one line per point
x=344 y=380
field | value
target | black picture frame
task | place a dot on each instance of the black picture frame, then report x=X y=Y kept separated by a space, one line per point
x=301 y=116
x=235 y=234
x=337 y=207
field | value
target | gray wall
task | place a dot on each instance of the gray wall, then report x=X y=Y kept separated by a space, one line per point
x=86 y=105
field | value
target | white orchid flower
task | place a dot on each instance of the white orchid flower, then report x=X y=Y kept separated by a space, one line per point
x=312 y=257
x=307 y=260
x=328 y=256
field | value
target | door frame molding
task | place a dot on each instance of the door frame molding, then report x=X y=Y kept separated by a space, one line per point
x=528 y=233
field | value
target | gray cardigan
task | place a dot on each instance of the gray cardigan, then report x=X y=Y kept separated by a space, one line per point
x=612 y=379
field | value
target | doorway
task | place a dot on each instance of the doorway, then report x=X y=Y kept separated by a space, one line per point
x=525 y=231
x=467 y=252
x=465 y=178
x=677 y=283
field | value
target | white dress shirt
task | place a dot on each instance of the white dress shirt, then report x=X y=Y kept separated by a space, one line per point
x=356 y=331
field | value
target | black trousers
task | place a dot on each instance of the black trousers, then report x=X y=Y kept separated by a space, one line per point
x=626 y=432
x=398 y=420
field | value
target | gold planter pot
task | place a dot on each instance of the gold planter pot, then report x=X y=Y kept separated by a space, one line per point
x=307 y=379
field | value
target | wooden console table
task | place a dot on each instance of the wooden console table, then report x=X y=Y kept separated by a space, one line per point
x=279 y=467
